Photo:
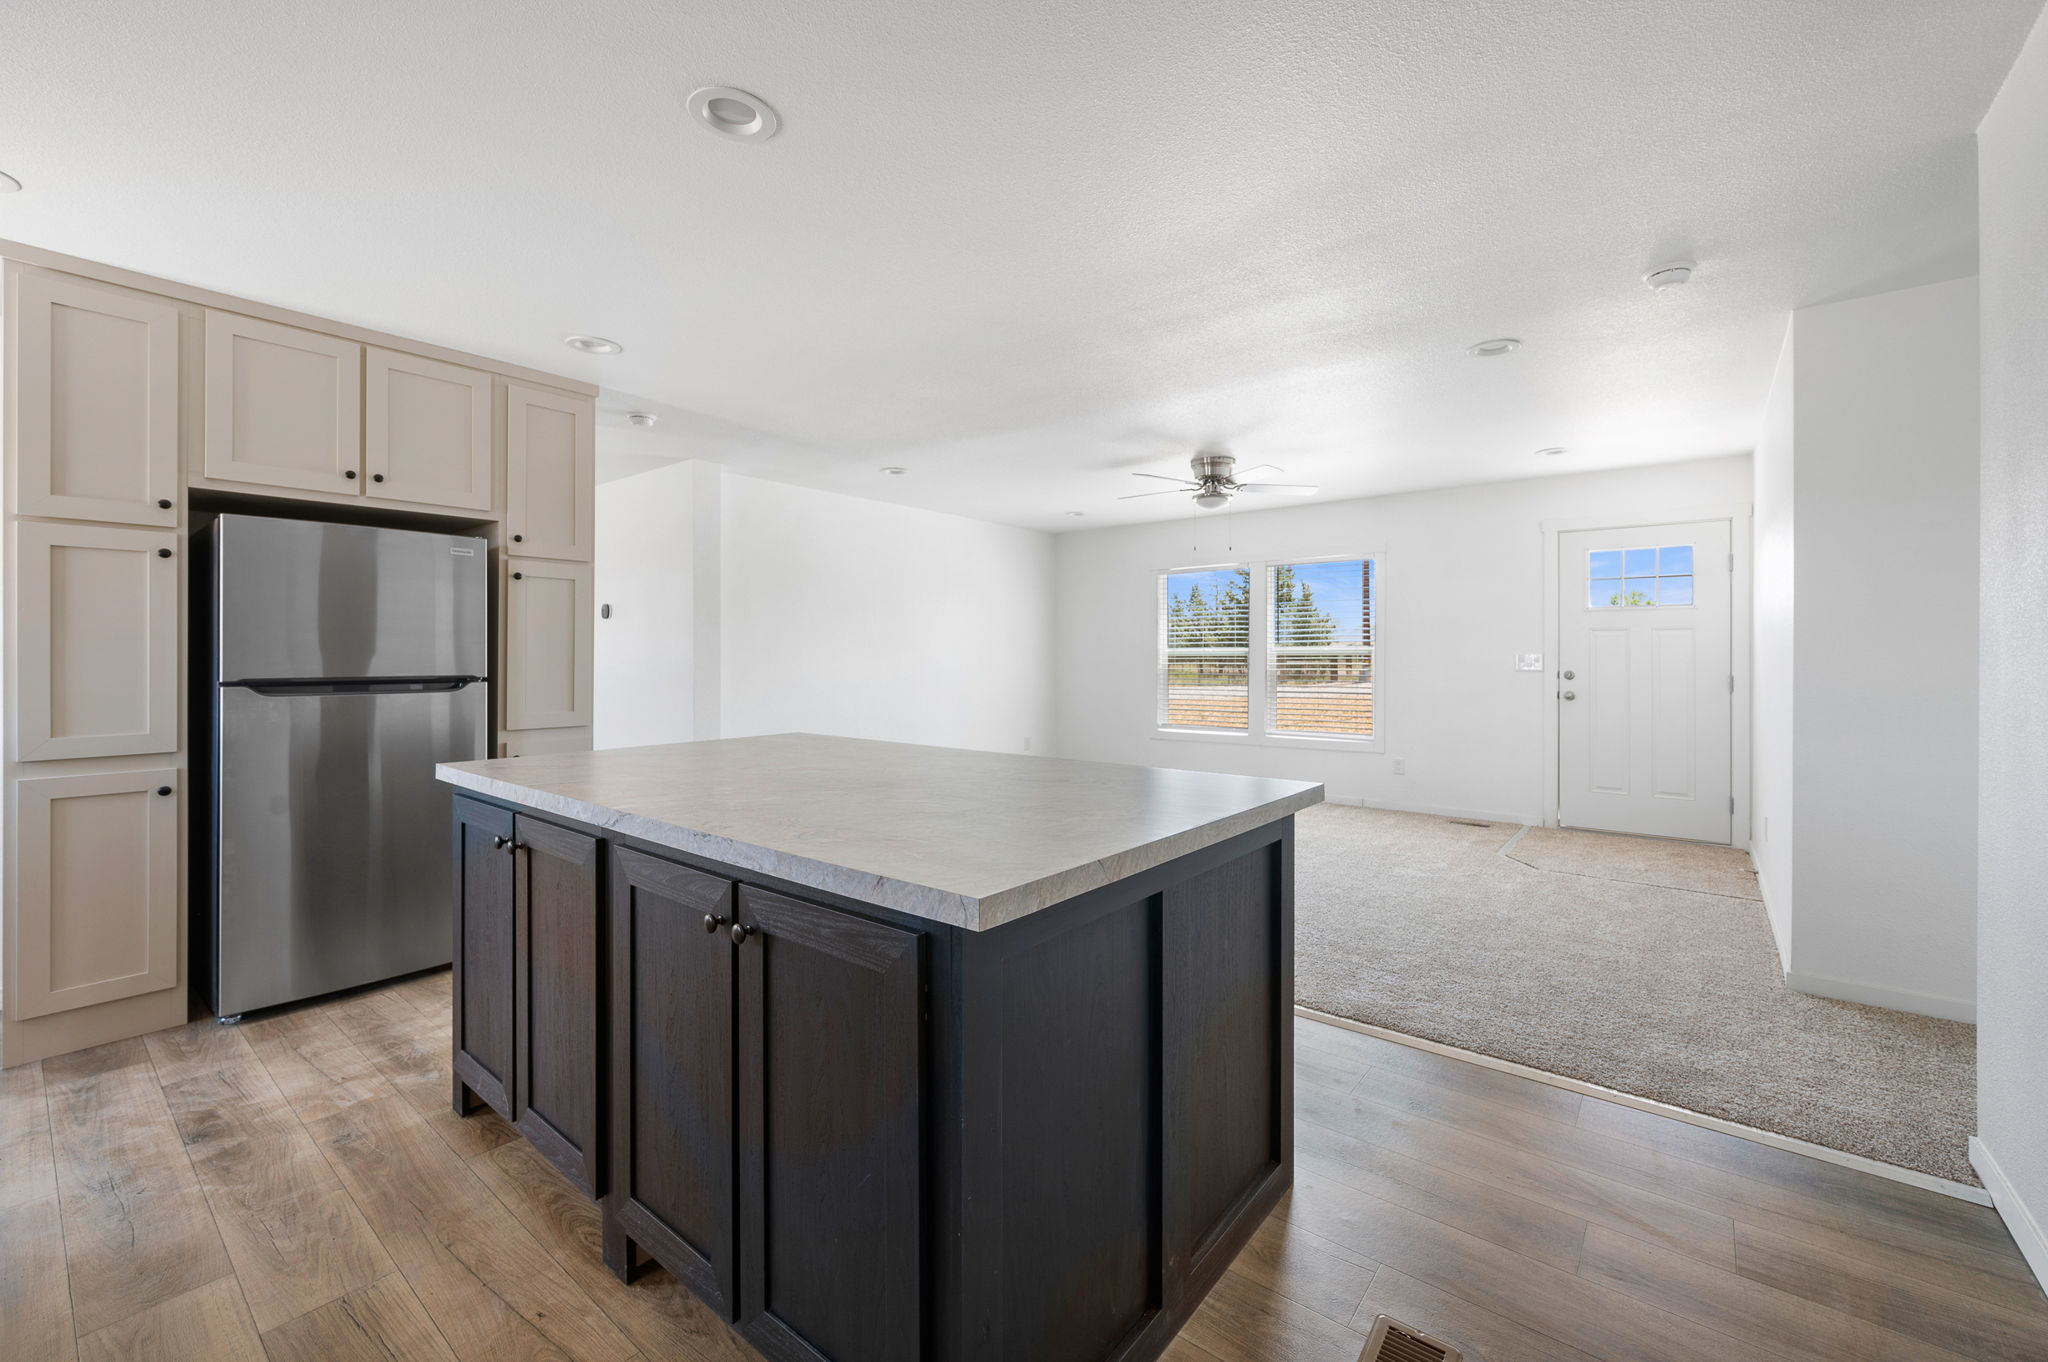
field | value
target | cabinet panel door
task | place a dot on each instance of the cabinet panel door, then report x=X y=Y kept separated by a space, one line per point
x=426 y=431
x=97 y=668
x=551 y=473
x=559 y=1000
x=484 y=937
x=98 y=914
x=284 y=407
x=830 y=1131
x=547 y=644
x=97 y=393
x=671 y=1175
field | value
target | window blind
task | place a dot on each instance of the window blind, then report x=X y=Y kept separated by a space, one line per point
x=1205 y=649
x=1319 y=657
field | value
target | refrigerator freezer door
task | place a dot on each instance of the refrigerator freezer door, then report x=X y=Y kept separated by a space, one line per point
x=300 y=598
x=333 y=852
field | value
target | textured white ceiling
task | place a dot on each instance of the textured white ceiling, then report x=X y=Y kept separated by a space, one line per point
x=1024 y=248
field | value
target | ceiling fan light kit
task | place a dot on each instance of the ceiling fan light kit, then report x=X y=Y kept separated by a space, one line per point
x=1214 y=482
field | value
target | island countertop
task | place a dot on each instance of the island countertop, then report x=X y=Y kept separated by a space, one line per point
x=971 y=839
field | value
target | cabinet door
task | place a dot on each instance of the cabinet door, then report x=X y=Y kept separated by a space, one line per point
x=547 y=644
x=484 y=937
x=672 y=1070
x=97 y=666
x=551 y=473
x=284 y=407
x=557 y=1006
x=97 y=392
x=830 y=1131
x=426 y=431
x=98 y=913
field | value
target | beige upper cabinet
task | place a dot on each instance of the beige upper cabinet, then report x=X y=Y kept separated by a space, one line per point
x=96 y=661
x=547 y=644
x=97 y=392
x=551 y=473
x=98 y=906
x=284 y=407
x=426 y=431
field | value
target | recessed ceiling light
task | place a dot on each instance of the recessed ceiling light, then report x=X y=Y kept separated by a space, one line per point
x=1670 y=276
x=8 y=184
x=734 y=113
x=1552 y=451
x=1075 y=515
x=593 y=345
x=893 y=471
x=1488 y=349
x=642 y=419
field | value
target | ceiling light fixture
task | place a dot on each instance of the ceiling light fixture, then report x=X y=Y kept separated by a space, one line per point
x=1552 y=451
x=1075 y=515
x=8 y=184
x=643 y=419
x=1673 y=275
x=734 y=113
x=593 y=345
x=1489 y=349
x=895 y=472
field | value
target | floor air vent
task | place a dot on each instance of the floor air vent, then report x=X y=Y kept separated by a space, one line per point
x=1393 y=1341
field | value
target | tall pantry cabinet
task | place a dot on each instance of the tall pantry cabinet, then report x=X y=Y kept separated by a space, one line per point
x=132 y=405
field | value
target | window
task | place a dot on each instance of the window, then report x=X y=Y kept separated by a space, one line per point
x=1630 y=578
x=1304 y=628
x=1204 y=649
x=1319 y=648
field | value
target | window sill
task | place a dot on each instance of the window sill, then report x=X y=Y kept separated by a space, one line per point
x=1283 y=740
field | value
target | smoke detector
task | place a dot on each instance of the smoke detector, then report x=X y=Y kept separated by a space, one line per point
x=1490 y=349
x=1673 y=275
x=643 y=419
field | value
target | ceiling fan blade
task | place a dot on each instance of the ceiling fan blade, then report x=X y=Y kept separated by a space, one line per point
x=1281 y=488
x=1171 y=491
x=1261 y=468
x=1161 y=477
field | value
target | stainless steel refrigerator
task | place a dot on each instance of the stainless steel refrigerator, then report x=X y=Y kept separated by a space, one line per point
x=345 y=661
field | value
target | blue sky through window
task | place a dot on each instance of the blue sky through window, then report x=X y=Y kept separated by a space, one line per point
x=1338 y=587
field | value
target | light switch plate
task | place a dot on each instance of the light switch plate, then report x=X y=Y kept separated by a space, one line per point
x=1528 y=662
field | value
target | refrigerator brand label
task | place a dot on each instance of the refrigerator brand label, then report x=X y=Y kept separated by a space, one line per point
x=466 y=553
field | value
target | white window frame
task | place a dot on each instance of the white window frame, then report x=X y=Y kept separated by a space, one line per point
x=1160 y=658
x=1259 y=733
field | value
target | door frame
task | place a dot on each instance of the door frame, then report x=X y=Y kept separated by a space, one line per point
x=1739 y=639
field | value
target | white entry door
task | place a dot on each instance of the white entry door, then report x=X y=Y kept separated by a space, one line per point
x=1644 y=690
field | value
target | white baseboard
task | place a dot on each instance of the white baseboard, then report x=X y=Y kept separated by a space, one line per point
x=2026 y=1231
x=1875 y=995
x=1482 y=815
x=1911 y=1177
x=1779 y=936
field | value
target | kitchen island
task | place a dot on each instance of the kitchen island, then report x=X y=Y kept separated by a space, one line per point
x=890 y=1053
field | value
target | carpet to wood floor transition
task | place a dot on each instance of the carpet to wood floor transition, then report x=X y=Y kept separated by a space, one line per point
x=1646 y=967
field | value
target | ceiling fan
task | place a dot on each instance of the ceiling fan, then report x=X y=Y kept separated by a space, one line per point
x=1215 y=481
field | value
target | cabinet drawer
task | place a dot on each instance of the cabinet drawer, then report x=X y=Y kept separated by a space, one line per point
x=97 y=665
x=98 y=912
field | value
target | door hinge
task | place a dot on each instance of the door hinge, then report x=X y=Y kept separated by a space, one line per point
x=1731 y=562
x=1731 y=803
x=1731 y=683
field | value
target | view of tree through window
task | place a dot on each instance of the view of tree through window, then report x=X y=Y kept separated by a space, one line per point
x=1205 y=681
x=1620 y=578
x=1319 y=659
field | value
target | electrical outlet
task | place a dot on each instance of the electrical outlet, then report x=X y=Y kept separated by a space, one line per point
x=1400 y=766
x=1528 y=662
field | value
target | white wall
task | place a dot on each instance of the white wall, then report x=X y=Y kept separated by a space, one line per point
x=1870 y=450
x=2012 y=1032
x=1772 y=657
x=856 y=617
x=644 y=652
x=1461 y=593
x=741 y=606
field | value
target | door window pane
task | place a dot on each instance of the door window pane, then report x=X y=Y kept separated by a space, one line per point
x=1623 y=579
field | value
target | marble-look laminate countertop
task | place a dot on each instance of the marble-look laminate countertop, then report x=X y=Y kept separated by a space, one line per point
x=972 y=839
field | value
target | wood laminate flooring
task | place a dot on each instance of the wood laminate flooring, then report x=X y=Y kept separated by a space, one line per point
x=297 y=1188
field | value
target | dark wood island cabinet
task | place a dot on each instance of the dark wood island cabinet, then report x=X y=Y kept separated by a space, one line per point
x=890 y=1053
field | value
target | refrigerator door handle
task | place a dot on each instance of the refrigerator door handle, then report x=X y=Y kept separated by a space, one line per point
x=387 y=685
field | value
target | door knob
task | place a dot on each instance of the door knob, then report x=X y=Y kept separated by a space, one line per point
x=712 y=922
x=1571 y=676
x=740 y=932
x=1571 y=695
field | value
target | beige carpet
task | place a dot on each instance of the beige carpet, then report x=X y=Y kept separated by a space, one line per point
x=1643 y=966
